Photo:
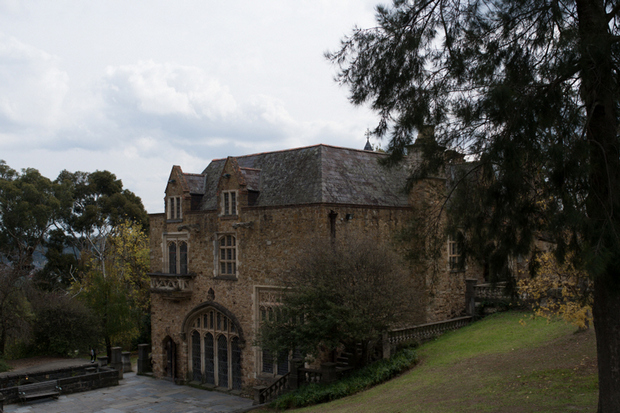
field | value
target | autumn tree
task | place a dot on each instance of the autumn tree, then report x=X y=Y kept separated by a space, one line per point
x=556 y=288
x=529 y=91
x=339 y=296
x=115 y=284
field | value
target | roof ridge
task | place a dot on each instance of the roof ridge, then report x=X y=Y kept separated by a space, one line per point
x=298 y=149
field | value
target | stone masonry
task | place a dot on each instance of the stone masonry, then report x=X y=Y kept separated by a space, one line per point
x=229 y=233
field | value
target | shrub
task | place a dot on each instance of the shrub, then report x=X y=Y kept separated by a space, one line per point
x=4 y=366
x=362 y=379
x=63 y=325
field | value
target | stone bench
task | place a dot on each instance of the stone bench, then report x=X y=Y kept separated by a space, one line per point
x=42 y=389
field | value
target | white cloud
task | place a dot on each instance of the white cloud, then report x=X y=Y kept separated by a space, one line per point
x=32 y=87
x=167 y=89
x=136 y=87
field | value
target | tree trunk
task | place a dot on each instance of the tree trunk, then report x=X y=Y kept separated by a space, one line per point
x=108 y=347
x=603 y=203
x=607 y=327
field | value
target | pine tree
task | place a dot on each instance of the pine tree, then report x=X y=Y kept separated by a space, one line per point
x=528 y=90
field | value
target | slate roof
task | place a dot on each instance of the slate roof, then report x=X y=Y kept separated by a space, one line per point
x=314 y=174
x=196 y=183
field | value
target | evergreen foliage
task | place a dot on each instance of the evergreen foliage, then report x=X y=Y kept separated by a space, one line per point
x=359 y=380
x=527 y=91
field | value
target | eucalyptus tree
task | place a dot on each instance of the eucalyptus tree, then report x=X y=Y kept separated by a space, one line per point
x=528 y=89
x=28 y=209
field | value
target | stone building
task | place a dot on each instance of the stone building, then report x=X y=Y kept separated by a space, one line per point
x=227 y=233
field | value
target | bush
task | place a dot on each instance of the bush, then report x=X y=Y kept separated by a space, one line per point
x=362 y=379
x=4 y=366
x=63 y=325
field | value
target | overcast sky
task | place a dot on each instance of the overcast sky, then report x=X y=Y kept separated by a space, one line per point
x=135 y=87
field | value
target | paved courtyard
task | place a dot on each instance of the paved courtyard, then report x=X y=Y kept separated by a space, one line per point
x=137 y=394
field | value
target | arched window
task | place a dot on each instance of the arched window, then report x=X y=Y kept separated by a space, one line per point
x=176 y=256
x=222 y=361
x=217 y=360
x=196 y=357
x=172 y=258
x=209 y=359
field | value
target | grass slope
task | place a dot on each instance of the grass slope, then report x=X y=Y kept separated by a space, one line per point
x=494 y=365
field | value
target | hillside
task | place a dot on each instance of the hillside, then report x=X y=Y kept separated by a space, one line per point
x=495 y=365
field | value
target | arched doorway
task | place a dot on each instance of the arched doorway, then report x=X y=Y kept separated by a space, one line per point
x=170 y=361
x=215 y=346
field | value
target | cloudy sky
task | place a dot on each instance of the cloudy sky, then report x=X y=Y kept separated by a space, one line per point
x=136 y=86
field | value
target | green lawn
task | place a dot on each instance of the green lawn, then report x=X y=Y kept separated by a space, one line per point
x=494 y=365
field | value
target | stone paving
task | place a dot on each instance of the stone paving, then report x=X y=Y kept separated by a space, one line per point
x=137 y=394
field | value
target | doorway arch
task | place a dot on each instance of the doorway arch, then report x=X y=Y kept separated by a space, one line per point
x=215 y=343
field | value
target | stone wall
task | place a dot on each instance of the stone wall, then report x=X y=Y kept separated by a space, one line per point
x=266 y=250
x=268 y=241
x=70 y=380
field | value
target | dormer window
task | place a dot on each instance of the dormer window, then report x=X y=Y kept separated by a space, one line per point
x=229 y=203
x=173 y=207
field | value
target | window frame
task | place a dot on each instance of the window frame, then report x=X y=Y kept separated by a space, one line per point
x=267 y=304
x=177 y=239
x=174 y=208
x=456 y=259
x=229 y=203
x=226 y=256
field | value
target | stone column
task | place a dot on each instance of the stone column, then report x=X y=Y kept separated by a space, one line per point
x=117 y=361
x=102 y=360
x=470 y=297
x=144 y=365
x=328 y=373
x=387 y=349
x=126 y=357
x=293 y=378
x=257 y=391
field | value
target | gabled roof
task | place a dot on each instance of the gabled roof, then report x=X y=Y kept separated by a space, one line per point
x=314 y=174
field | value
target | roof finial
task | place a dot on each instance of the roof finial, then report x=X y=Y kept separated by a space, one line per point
x=368 y=146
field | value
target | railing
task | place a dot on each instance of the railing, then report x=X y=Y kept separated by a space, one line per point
x=490 y=292
x=265 y=394
x=421 y=333
x=297 y=377
x=174 y=286
x=307 y=376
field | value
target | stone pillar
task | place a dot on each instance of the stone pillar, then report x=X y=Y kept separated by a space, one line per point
x=293 y=378
x=103 y=361
x=117 y=361
x=126 y=357
x=257 y=397
x=144 y=365
x=328 y=373
x=470 y=297
x=387 y=349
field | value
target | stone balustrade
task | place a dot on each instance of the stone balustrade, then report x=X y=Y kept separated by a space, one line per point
x=172 y=286
x=420 y=333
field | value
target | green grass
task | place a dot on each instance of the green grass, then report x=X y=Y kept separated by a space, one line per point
x=494 y=365
x=357 y=381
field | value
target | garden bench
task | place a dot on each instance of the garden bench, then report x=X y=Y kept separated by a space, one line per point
x=48 y=388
